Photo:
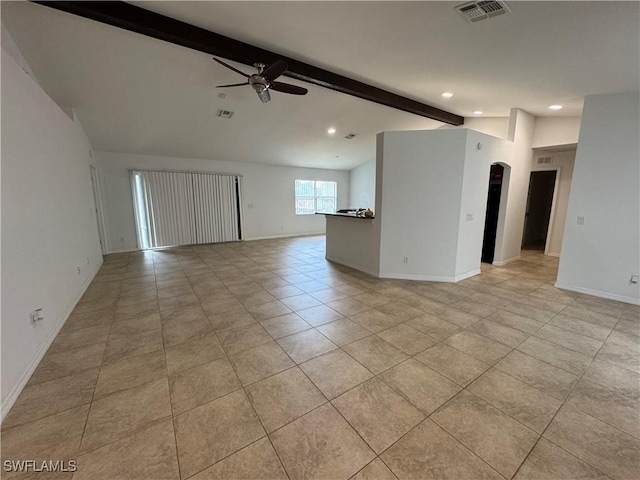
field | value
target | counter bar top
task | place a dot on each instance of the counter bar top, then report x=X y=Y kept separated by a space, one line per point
x=347 y=215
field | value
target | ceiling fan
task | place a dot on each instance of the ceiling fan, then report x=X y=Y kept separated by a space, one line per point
x=264 y=80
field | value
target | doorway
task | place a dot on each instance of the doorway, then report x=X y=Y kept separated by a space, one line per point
x=538 y=213
x=97 y=203
x=493 y=209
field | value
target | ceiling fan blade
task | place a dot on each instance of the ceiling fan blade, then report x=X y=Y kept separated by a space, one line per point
x=230 y=67
x=288 y=88
x=274 y=70
x=232 y=85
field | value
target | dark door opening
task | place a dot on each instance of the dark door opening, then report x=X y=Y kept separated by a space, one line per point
x=538 y=213
x=493 y=208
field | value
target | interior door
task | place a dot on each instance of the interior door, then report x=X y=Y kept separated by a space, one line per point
x=538 y=212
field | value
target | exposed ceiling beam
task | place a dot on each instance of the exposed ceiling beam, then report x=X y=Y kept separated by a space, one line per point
x=130 y=17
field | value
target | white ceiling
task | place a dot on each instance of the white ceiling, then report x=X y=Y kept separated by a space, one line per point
x=141 y=95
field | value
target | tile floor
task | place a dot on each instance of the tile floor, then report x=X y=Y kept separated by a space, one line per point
x=261 y=360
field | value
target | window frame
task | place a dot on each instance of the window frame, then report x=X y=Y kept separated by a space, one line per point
x=315 y=196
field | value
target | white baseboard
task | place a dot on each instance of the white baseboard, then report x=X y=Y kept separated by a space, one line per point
x=123 y=250
x=502 y=263
x=15 y=392
x=552 y=254
x=420 y=278
x=464 y=276
x=349 y=264
x=598 y=293
x=286 y=235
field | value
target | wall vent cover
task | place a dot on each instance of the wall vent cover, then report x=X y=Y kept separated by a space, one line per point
x=476 y=11
x=224 y=114
x=351 y=135
x=543 y=160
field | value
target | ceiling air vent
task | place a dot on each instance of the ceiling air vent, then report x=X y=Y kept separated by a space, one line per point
x=224 y=114
x=476 y=11
x=351 y=135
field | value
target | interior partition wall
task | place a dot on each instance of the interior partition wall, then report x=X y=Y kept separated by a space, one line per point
x=185 y=208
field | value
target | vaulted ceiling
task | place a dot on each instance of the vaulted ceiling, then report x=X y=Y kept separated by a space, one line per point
x=141 y=95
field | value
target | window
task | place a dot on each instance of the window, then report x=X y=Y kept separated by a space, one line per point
x=312 y=197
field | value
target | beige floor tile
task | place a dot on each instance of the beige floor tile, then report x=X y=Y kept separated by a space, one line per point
x=375 y=354
x=284 y=325
x=570 y=340
x=174 y=304
x=610 y=394
x=326 y=295
x=284 y=397
x=374 y=320
x=78 y=321
x=321 y=444
x=220 y=303
x=300 y=302
x=348 y=306
x=630 y=326
x=456 y=316
x=576 y=325
x=193 y=353
x=583 y=313
x=257 y=461
x=80 y=338
x=148 y=454
x=529 y=311
x=407 y=339
x=372 y=299
x=284 y=291
x=116 y=416
x=187 y=323
x=513 y=320
x=376 y=470
x=475 y=308
x=428 y=452
x=269 y=310
x=547 y=460
x=62 y=364
x=238 y=339
x=498 y=439
x=377 y=413
x=556 y=355
x=399 y=310
x=255 y=298
x=130 y=372
x=48 y=398
x=604 y=447
x=423 y=387
x=433 y=326
x=622 y=350
x=233 y=319
x=453 y=364
x=525 y=404
x=343 y=331
x=540 y=375
x=499 y=333
x=478 y=347
x=260 y=362
x=319 y=315
x=335 y=372
x=198 y=385
x=53 y=437
x=306 y=345
x=215 y=430
x=137 y=310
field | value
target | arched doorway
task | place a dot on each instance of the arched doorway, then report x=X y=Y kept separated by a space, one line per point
x=496 y=177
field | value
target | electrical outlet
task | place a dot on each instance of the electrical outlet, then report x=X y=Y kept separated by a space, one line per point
x=79 y=271
x=469 y=217
x=250 y=205
x=88 y=261
x=634 y=279
x=36 y=316
x=581 y=219
x=121 y=239
x=405 y=260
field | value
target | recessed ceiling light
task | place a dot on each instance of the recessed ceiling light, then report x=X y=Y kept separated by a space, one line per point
x=478 y=112
x=331 y=131
x=447 y=95
x=555 y=107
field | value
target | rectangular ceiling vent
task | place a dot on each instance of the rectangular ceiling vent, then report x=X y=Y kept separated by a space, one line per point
x=351 y=135
x=476 y=11
x=543 y=160
x=224 y=114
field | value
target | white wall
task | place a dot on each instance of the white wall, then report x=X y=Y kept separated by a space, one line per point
x=562 y=162
x=599 y=257
x=473 y=207
x=515 y=188
x=362 y=186
x=48 y=223
x=551 y=131
x=494 y=126
x=268 y=206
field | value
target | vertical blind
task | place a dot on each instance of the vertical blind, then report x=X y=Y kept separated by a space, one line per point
x=175 y=208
